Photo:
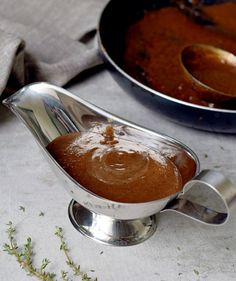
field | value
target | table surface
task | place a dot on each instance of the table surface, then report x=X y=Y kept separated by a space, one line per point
x=181 y=249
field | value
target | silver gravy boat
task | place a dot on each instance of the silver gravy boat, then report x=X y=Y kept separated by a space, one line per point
x=49 y=111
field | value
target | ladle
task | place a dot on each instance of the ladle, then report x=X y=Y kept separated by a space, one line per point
x=212 y=72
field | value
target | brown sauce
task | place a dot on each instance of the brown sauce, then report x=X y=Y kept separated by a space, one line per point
x=118 y=169
x=154 y=44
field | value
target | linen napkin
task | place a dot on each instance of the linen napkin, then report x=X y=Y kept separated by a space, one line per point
x=39 y=43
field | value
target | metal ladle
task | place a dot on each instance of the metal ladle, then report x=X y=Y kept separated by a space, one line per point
x=212 y=72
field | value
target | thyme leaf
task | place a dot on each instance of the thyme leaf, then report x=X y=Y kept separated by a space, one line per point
x=22 y=208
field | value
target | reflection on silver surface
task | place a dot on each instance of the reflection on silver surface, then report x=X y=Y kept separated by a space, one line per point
x=108 y=230
x=49 y=111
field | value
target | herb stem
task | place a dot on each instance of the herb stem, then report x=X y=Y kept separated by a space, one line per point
x=69 y=261
x=24 y=257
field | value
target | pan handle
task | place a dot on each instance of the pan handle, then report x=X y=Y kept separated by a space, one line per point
x=217 y=183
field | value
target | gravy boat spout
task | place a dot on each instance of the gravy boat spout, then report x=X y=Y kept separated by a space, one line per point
x=49 y=112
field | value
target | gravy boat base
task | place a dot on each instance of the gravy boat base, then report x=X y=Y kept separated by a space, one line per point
x=108 y=230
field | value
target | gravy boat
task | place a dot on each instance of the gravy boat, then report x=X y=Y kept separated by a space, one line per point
x=49 y=111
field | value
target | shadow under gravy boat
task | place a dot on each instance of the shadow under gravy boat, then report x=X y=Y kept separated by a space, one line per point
x=49 y=111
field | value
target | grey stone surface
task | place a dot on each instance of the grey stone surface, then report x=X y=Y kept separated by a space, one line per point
x=178 y=251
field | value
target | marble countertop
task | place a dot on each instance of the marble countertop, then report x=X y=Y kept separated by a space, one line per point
x=181 y=249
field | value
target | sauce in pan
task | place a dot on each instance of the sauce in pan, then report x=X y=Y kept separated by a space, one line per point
x=154 y=45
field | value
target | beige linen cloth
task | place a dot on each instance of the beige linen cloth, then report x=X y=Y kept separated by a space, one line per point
x=39 y=41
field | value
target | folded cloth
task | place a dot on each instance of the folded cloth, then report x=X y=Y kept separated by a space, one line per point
x=30 y=54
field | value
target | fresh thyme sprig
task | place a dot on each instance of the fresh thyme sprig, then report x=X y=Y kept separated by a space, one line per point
x=25 y=256
x=75 y=268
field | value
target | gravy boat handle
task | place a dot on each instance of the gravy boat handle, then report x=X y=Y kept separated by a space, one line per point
x=212 y=181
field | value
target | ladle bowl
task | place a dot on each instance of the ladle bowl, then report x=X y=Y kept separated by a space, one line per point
x=49 y=111
x=212 y=72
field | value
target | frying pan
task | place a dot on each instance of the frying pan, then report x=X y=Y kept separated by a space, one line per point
x=115 y=19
